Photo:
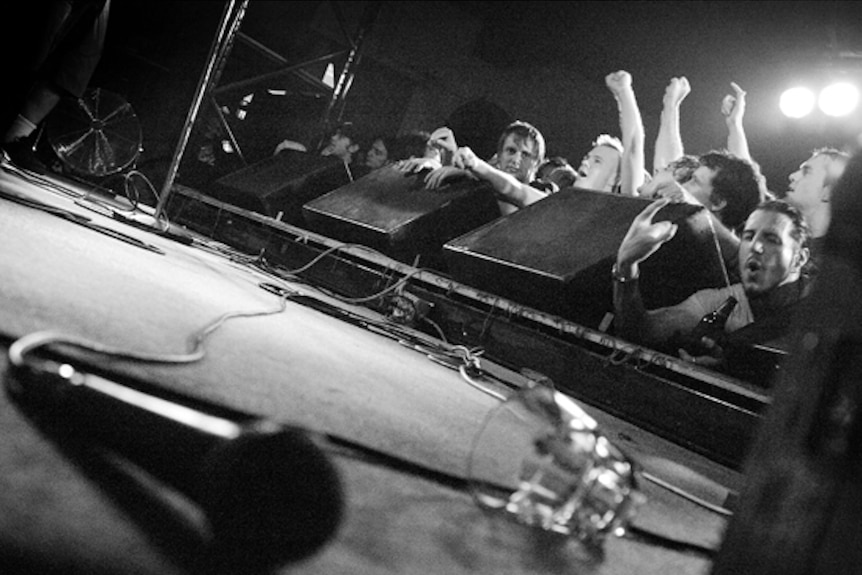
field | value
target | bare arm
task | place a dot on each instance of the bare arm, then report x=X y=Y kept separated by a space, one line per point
x=505 y=185
x=733 y=108
x=668 y=144
x=632 y=320
x=631 y=127
x=648 y=327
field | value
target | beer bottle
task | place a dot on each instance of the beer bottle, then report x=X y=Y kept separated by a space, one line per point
x=711 y=325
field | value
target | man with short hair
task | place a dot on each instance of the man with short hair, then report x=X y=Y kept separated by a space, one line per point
x=520 y=152
x=810 y=191
x=513 y=169
x=773 y=253
x=726 y=185
x=600 y=169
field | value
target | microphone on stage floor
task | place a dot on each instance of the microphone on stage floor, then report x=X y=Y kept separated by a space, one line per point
x=269 y=492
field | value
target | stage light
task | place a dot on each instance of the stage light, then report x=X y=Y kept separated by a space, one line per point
x=839 y=99
x=796 y=102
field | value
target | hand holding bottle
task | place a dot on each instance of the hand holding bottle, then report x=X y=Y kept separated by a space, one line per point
x=712 y=353
x=703 y=348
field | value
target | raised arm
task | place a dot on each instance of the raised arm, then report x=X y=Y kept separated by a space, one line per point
x=632 y=130
x=668 y=143
x=733 y=108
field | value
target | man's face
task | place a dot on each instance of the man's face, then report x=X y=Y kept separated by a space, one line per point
x=518 y=156
x=341 y=146
x=808 y=184
x=700 y=185
x=377 y=155
x=769 y=256
x=598 y=169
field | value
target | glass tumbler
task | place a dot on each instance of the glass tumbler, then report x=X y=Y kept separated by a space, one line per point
x=541 y=459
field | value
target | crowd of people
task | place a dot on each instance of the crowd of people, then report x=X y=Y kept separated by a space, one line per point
x=777 y=241
x=770 y=242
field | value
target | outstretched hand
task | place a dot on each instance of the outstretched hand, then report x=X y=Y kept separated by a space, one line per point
x=676 y=91
x=733 y=105
x=414 y=165
x=438 y=177
x=645 y=237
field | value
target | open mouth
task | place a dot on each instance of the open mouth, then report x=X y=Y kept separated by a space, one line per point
x=753 y=266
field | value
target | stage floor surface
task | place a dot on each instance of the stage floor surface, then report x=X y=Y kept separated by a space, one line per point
x=126 y=287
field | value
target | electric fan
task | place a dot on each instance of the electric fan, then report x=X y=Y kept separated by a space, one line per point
x=98 y=134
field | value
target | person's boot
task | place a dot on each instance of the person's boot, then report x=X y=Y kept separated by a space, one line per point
x=22 y=153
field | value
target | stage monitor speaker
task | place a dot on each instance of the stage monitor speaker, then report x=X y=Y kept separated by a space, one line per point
x=279 y=185
x=395 y=214
x=556 y=255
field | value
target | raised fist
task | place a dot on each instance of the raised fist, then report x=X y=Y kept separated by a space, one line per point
x=618 y=81
x=676 y=91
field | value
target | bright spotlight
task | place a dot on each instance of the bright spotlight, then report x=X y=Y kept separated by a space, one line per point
x=838 y=99
x=796 y=102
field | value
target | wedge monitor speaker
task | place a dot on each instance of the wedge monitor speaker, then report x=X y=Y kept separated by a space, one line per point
x=394 y=213
x=279 y=185
x=556 y=255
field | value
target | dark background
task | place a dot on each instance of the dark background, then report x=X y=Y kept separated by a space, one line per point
x=428 y=63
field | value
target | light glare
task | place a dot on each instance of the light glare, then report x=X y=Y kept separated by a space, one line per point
x=838 y=99
x=796 y=102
